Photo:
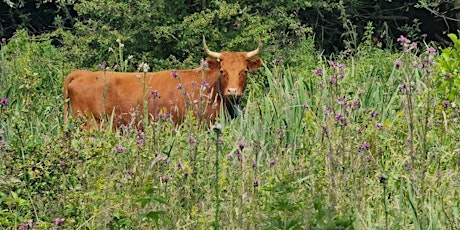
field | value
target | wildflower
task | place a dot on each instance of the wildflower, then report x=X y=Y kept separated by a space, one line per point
x=4 y=101
x=140 y=134
x=185 y=175
x=167 y=160
x=238 y=154
x=204 y=63
x=356 y=104
x=3 y=145
x=102 y=65
x=278 y=60
x=398 y=63
x=174 y=74
x=415 y=64
x=339 y=117
x=446 y=103
x=448 y=75
x=58 y=221
x=413 y=45
x=374 y=113
x=256 y=183
x=179 y=86
x=363 y=146
x=241 y=145
x=361 y=91
x=379 y=126
x=191 y=140
x=140 y=142
x=272 y=162
x=179 y=165
x=332 y=80
x=403 y=39
x=144 y=67
x=119 y=149
x=129 y=172
x=253 y=164
x=432 y=51
x=116 y=66
x=155 y=94
x=318 y=71
x=205 y=84
x=165 y=179
x=305 y=106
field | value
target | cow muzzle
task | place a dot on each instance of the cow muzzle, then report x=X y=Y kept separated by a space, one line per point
x=233 y=92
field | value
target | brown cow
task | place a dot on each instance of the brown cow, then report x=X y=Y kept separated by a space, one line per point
x=100 y=95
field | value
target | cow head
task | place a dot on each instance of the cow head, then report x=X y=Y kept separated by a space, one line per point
x=234 y=67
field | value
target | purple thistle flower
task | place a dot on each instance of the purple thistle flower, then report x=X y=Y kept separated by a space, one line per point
x=332 y=80
x=179 y=86
x=58 y=221
x=398 y=63
x=102 y=65
x=185 y=175
x=339 y=117
x=191 y=140
x=305 y=106
x=116 y=66
x=155 y=94
x=414 y=45
x=140 y=134
x=204 y=63
x=167 y=160
x=318 y=71
x=256 y=183
x=174 y=74
x=241 y=145
x=119 y=149
x=446 y=103
x=165 y=179
x=238 y=155
x=205 y=84
x=448 y=75
x=432 y=51
x=3 y=145
x=403 y=39
x=4 y=101
x=140 y=142
x=356 y=104
x=415 y=64
x=179 y=165
x=363 y=146
x=278 y=60
x=272 y=162
x=253 y=164
x=379 y=126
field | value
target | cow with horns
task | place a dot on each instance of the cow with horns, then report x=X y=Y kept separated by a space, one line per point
x=221 y=81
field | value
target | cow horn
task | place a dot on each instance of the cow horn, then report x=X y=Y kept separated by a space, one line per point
x=253 y=53
x=209 y=52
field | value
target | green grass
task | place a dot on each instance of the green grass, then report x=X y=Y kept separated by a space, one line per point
x=308 y=152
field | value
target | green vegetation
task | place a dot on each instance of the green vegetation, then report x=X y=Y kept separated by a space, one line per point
x=366 y=141
x=364 y=138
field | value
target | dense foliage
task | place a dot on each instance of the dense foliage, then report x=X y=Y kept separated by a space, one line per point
x=366 y=138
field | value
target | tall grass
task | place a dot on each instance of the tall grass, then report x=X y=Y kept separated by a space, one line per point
x=352 y=143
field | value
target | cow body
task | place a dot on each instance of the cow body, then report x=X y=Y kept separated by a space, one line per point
x=122 y=96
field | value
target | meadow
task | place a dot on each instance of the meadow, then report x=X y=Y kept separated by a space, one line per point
x=365 y=140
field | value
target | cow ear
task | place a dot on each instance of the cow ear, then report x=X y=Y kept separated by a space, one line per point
x=254 y=64
x=213 y=63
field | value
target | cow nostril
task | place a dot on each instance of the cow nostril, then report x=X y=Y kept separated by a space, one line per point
x=232 y=90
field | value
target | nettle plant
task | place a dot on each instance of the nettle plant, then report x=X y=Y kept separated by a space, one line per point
x=448 y=65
